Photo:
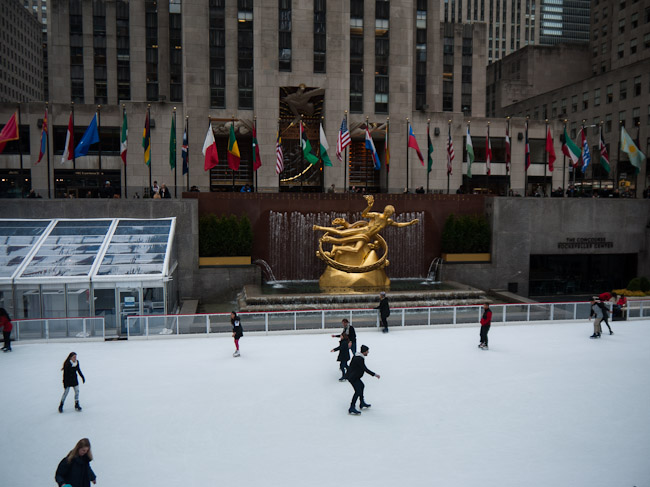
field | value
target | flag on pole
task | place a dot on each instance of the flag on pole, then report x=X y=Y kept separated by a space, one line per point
x=343 y=140
x=324 y=146
x=413 y=144
x=570 y=149
x=430 y=151
x=488 y=154
x=210 y=150
x=387 y=149
x=185 y=151
x=586 y=153
x=123 y=139
x=257 y=160
x=507 y=148
x=68 y=150
x=629 y=147
x=172 y=145
x=90 y=137
x=9 y=132
x=527 y=154
x=279 y=155
x=146 y=140
x=470 y=152
x=43 y=147
x=450 y=152
x=550 y=149
x=306 y=146
x=370 y=145
x=604 y=156
x=233 y=157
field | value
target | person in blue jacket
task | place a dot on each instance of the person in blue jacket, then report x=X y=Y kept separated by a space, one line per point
x=74 y=470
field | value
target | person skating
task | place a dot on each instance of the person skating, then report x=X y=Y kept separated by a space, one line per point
x=74 y=470
x=70 y=370
x=7 y=326
x=344 y=354
x=597 y=314
x=237 y=331
x=348 y=329
x=486 y=321
x=605 y=311
x=384 y=310
x=355 y=373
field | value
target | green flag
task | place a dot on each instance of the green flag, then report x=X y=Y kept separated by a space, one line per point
x=323 y=148
x=306 y=147
x=172 y=145
x=629 y=147
x=470 y=153
x=430 y=156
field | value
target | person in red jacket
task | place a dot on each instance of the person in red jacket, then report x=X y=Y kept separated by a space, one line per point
x=486 y=321
x=7 y=326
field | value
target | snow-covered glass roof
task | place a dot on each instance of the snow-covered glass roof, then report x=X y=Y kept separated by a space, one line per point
x=35 y=251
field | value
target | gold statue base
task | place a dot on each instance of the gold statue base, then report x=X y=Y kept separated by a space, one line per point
x=334 y=280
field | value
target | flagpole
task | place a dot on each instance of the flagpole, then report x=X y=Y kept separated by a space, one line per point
x=20 y=151
x=175 y=162
x=526 y=162
x=47 y=145
x=302 y=153
x=187 y=157
x=638 y=144
x=150 y=158
x=508 y=158
x=600 y=139
x=406 y=187
x=320 y=158
x=368 y=129
x=564 y=165
x=584 y=168
x=387 y=148
x=428 y=154
x=448 y=162
x=254 y=171
x=546 y=156
x=74 y=159
x=487 y=176
x=231 y=169
x=345 y=157
x=126 y=185
x=99 y=148
x=276 y=155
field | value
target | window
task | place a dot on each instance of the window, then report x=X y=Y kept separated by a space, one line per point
x=320 y=31
x=597 y=97
x=284 y=31
x=608 y=123
x=646 y=40
x=621 y=51
x=648 y=121
x=634 y=20
x=622 y=92
x=636 y=116
x=621 y=26
x=356 y=56
x=245 y=53
x=585 y=100
x=217 y=52
x=610 y=93
x=151 y=49
x=621 y=118
x=632 y=46
x=637 y=86
x=574 y=103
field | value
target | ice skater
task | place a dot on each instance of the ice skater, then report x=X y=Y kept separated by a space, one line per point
x=605 y=311
x=74 y=470
x=597 y=314
x=384 y=310
x=344 y=354
x=237 y=331
x=70 y=370
x=348 y=329
x=486 y=321
x=7 y=326
x=355 y=373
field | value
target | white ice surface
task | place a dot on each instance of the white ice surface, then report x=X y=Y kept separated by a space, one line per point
x=545 y=406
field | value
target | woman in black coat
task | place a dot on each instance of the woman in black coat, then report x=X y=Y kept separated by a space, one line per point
x=74 y=470
x=237 y=331
x=344 y=354
x=70 y=370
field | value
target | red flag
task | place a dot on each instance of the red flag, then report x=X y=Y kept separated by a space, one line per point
x=210 y=150
x=550 y=149
x=9 y=132
x=488 y=154
x=68 y=149
x=257 y=160
x=413 y=144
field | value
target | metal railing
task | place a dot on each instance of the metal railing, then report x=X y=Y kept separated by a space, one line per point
x=52 y=328
x=282 y=321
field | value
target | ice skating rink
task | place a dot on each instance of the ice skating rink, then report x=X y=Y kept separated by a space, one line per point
x=545 y=406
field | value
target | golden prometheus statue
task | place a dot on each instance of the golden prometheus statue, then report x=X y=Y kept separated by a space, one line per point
x=353 y=262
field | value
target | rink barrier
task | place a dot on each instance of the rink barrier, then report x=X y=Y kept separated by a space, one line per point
x=305 y=320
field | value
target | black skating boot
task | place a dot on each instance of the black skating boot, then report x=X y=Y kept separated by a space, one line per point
x=364 y=405
x=61 y=407
x=77 y=406
x=353 y=410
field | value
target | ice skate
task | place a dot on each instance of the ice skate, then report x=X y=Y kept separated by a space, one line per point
x=342 y=379
x=364 y=405
x=236 y=353
x=61 y=407
x=352 y=410
x=77 y=406
x=594 y=336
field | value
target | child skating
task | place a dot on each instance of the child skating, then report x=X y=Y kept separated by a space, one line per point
x=237 y=331
x=344 y=354
x=70 y=370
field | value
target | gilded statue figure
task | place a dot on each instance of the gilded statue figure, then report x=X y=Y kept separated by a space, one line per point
x=353 y=261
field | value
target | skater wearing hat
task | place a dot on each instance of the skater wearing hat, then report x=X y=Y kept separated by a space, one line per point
x=384 y=310
x=355 y=373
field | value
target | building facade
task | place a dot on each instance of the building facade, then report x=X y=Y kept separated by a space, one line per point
x=21 y=61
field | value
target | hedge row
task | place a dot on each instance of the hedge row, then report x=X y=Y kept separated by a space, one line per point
x=466 y=234
x=225 y=236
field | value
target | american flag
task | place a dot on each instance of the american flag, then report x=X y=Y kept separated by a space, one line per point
x=450 y=152
x=279 y=156
x=343 y=140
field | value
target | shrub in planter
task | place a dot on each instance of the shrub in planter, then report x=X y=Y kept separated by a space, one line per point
x=466 y=234
x=225 y=237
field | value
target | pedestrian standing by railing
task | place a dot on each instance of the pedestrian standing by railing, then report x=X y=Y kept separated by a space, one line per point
x=384 y=310
x=7 y=326
x=70 y=370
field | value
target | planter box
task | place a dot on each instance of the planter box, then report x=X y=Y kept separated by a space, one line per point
x=223 y=261
x=466 y=257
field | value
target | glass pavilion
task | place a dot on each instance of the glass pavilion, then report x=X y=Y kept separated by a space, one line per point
x=64 y=268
